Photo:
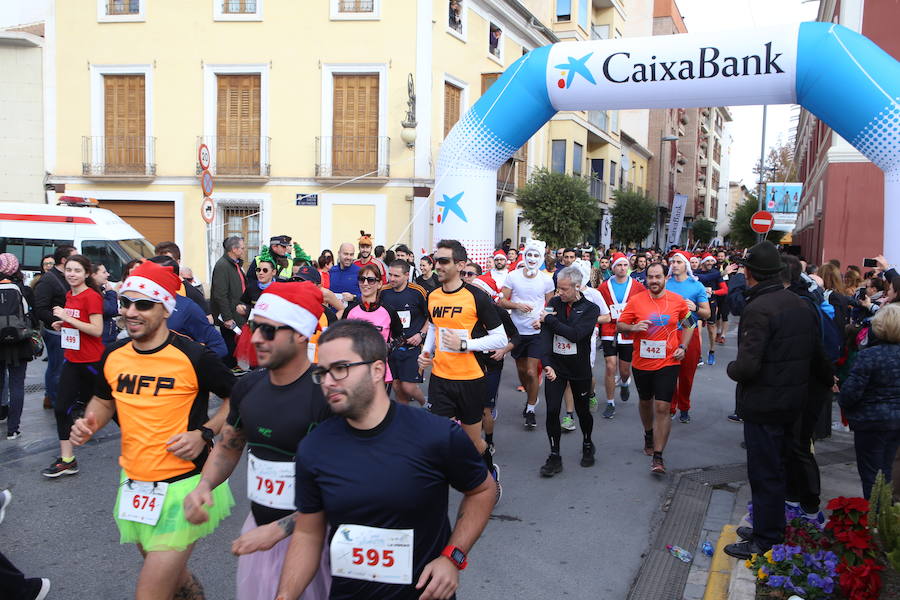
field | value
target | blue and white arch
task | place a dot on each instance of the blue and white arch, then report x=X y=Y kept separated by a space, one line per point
x=838 y=75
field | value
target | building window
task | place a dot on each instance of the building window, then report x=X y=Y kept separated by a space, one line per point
x=487 y=80
x=123 y=7
x=612 y=173
x=452 y=104
x=563 y=10
x=241 y=7
x=558 y=156
x=355 y=141
x=583 y=14
x=110 y=11
x=455 y=16
x=238 y=113
x=124 y=121
x=495 y=41
x=577 y=158
x=237 y=10
x=355 y=9
x=242 y=220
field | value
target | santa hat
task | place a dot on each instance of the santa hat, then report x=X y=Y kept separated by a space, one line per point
x=500 y=253
x=617 y=258
x=155 y=281
x=707 y=257
x=585 y=268
x=686 y=257
x=487 y=284
x=296 y=304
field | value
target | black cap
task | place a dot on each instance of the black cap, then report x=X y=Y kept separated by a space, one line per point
x=307 y=273
x=283 y=240
x=763 y=258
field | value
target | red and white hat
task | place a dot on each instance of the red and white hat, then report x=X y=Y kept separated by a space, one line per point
x=617 y=258
x=297 y=304
x=500 y=253
x=685 y=256
x=487 y=284
x=155 y=281
x=707 y=257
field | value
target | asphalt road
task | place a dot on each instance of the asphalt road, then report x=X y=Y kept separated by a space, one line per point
x=579 y=535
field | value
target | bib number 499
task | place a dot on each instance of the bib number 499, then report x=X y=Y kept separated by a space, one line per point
x=373 y=557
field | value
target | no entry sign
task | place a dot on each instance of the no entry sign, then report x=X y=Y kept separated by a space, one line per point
x=762 y=221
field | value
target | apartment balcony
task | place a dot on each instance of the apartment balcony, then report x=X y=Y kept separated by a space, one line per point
x=119 y=157
x=123 y=7
x=599 y=119
x=704 y=162
x=598 y=190
x=238 y=158
x=506 y=178
x=353 y=157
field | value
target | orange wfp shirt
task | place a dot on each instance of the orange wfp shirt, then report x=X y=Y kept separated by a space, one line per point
x=471 y=314
x=665 y=314
x=158 y=394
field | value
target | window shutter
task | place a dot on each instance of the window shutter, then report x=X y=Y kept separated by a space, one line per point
x=452 y=101
x=522 y=170
x=124 y=122
x=355 y=124
x=238 y=125
x=487 y=79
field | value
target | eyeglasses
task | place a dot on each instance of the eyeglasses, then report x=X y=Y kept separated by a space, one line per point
x=262 y=270
x=142 y=304
x=268 y=331
x=469 y=274
x=443 y=260
x=368 y=280
x=338 y=371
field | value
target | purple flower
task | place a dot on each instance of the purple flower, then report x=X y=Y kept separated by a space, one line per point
x=827 y=585
x=814 y=580
x=777 y=580
x=779 y=553
x=795 y=571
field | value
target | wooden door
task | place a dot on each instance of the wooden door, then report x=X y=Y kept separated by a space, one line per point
x=354 y=149
x=124 y=124
x=238 y=125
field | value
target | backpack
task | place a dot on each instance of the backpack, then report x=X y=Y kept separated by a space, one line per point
x=829 y=328
x=15 y=326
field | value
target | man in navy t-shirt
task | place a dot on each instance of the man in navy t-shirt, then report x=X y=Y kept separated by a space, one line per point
x=379 y=475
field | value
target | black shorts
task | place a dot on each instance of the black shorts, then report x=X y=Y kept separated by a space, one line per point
x=493 y=388
x=404 y=363
x=724 y=308
x=656 y=385
x=462 y=399
x=529 y=346
x=713 y=311
x=614 y=348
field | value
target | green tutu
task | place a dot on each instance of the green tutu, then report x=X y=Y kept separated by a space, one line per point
x=172 y=531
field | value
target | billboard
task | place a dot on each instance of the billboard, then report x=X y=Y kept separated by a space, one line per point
x=783 y=201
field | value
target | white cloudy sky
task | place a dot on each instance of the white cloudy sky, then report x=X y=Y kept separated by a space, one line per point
x=718 y=15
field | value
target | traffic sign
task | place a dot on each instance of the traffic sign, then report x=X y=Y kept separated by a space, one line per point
x=206 y=183
x=203 y=155
x=208 y=210
x=762 y=221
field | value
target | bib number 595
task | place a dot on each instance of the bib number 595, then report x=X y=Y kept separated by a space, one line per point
x=372 y=557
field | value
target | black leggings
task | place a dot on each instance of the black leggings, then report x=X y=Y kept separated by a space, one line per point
x=581 y=393
x=76 y=388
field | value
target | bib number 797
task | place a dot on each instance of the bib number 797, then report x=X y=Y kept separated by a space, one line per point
x=271 y=486
x=373 y=557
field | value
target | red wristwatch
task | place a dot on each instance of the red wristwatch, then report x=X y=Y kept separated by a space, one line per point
x=457 y=556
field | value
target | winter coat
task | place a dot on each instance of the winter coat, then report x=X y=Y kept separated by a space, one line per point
x=21 y=352
x=226 y=289
x=50 y=291
x=870 y=396
x=779 y=351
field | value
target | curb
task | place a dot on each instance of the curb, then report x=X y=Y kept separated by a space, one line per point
x=720 y=569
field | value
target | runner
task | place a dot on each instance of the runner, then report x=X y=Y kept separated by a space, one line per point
x=716 y=290
x=407 y=301
x=640 y=269
x=682 y=282
x=567 y=327
x=594 y=296
x=272 y=409
x=655 y=319
x=499 y=272
x=463 y=321
x=617 y=292
x=727 y=269
x=80 y=324
x=379 y=476
x=157 y=384
x=365 y=255
x=525 y=293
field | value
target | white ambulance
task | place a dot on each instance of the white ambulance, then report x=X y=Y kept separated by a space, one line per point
x=30 y=231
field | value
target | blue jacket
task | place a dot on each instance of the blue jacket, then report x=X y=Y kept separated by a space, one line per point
x=110 y=312
x=344 y=280
x=870 y=396
x=189 y=319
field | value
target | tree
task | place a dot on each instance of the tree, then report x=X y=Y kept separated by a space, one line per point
x=559 y=208
x=779 y=164
x=741 y=235
x=704 y=230
x=633 y=217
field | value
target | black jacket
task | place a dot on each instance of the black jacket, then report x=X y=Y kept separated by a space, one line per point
x=779 y=352
x=484 y=358
x=50 y=291
x=576 y=327
x=21 y=352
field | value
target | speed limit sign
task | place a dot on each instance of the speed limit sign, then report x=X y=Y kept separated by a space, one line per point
x=203 y=155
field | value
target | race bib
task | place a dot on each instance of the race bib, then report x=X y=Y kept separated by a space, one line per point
x=70 y=338
x=462 y=333
x=142 y=501
x=614 y=311
x=653 y=348
x=270 y=483
x=372 y=554
x=405 y=318
x=563 y=346
x=311 y=352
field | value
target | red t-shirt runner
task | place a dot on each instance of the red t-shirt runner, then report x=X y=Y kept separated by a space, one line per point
x=81 y=307
x=653 y=349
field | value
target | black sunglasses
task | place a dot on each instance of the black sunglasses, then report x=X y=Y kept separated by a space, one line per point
x=368 y=279
x=443 y=260
x=142 y=304
x=262 y=270
x=268 y=331
x=338 y=371
x=468 y=273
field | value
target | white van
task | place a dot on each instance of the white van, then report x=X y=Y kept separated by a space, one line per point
x=30 y=231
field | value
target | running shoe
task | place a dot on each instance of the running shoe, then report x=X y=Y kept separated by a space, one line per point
x=657 y=466
x=734 y=418
x=685 y=417
x=530 y=421
x=610 y=411
x=5 y=499
x=520 y=388
x=41 y=590
x=700 y=362
x=720 y=340
x=495 y=473
x=711 y=359
x=593 y=403
x=58 y=468
x=568 y=423
x=552 y=466
x=648 y=444
x=587 y=455
x=13 y=435
x=525 y=409
x=624 y=393
x=817 y=518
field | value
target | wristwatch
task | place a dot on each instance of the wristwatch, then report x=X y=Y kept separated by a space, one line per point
x=463 y=346
x=457 y=556
x=207 y=433
x=682 y=346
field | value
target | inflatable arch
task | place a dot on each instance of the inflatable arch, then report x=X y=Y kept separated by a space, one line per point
x=840 y=76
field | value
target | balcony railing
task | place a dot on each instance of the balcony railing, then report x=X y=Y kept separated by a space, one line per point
x=123 y=7
x=239 y=7
x=599 y=119
x=506 y=177
x=598 y=190
x=356 y=6
x=237 y=155
x=353 y=156
x=118 y=156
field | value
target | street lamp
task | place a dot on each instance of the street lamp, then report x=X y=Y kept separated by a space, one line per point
x=662 y=140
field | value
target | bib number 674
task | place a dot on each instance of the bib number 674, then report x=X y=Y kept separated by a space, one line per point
x=372 y=557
